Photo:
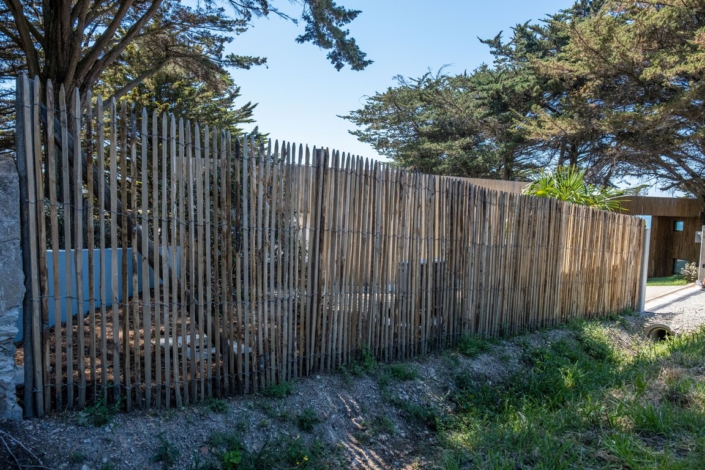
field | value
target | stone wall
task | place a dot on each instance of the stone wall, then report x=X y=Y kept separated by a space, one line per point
x=11 y=284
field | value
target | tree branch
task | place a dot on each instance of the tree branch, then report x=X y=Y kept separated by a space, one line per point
x=26 y=42
x=137 y=80
x=100 y=65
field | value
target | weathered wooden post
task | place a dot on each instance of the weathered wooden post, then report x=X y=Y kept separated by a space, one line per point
x=644 y=268
x=33 y=405
x=701 y=262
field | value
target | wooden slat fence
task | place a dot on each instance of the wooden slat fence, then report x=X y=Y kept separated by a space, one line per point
x=219 y=265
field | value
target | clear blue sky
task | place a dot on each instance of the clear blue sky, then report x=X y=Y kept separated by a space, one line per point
x=300 y=94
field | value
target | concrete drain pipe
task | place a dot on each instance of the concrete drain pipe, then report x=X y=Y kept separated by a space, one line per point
x=658 y=331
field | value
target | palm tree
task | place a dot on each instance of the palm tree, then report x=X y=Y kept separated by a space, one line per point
x=568 y=184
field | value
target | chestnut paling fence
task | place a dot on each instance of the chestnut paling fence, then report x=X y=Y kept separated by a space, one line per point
x=186 y=263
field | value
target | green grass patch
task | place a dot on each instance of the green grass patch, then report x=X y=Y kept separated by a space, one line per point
x=472 y=346
x=100 y=413
x=581 y=402
x=674 y=280
x=217 y=405
x=280 y=390
x=364 y=363
x=307 y=419
x=285 y=452
x=401 y=372
x=166 y=452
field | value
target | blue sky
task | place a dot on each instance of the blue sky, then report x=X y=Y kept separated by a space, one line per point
x=300 y=94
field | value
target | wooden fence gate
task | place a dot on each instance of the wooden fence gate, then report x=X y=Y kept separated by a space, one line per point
x=167 y=262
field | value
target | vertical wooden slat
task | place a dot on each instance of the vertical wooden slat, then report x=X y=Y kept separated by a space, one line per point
x=169 y=259
x=239 y=165
x=319 y=164
x=114 y=252
x=43 y=317
x=135 y=301
x=55 y=247
x=30 y=161
x=158 y=292
x=226 y=157
x=146 y=291
x=183 y=245
x=90 y=235
x=264 y=264
x=246 y=259
x=258 y=260
x=125 y=189
x=285 y=256
x=194 y=286
x=274 y=292
x=300 y=269
x=204 y=263
x=217 y=307
x=68 y=279
x=177 y=258
x=203 y=329
x=103 y=272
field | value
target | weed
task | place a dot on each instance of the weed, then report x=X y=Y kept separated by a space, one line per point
x=382 y=425
x=401 y=372
x=100 y=413
x=473 y=346
x=581 y=402
x=451 y=461
x=450 y=359
x=280 y=390
x=417 y=413
x=383 y=381
x=217 y=405
x=166 y=452
x=224 y=440
x=282 y=452
x=307 y=419
x=231 y=459
x=108 y=466
x=364 y=365
x=76 y=457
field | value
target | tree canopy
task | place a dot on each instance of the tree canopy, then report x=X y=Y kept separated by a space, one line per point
x=615 y=88
x=126 y=44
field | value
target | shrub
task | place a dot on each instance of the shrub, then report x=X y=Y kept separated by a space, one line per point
x=307 y=419
x=690 y=272
x=568 y=184
x=280 y=390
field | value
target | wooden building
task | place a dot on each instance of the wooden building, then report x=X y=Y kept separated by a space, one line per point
x=674 y=222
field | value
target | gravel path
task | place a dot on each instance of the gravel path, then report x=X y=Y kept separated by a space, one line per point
x=683 y=311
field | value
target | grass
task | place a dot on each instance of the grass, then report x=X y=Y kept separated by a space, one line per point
x=77 y=458
x=674 y=280
x=401 y=372
x=284 y=452
x=580 y=402
x=365 y=363
x=307 y=419
x=280 y=390
x=473 y=346
x=166 y=453
x=100 y=413
x=217 y=405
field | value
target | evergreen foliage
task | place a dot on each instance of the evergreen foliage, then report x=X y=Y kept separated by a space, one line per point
x=613 y=87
